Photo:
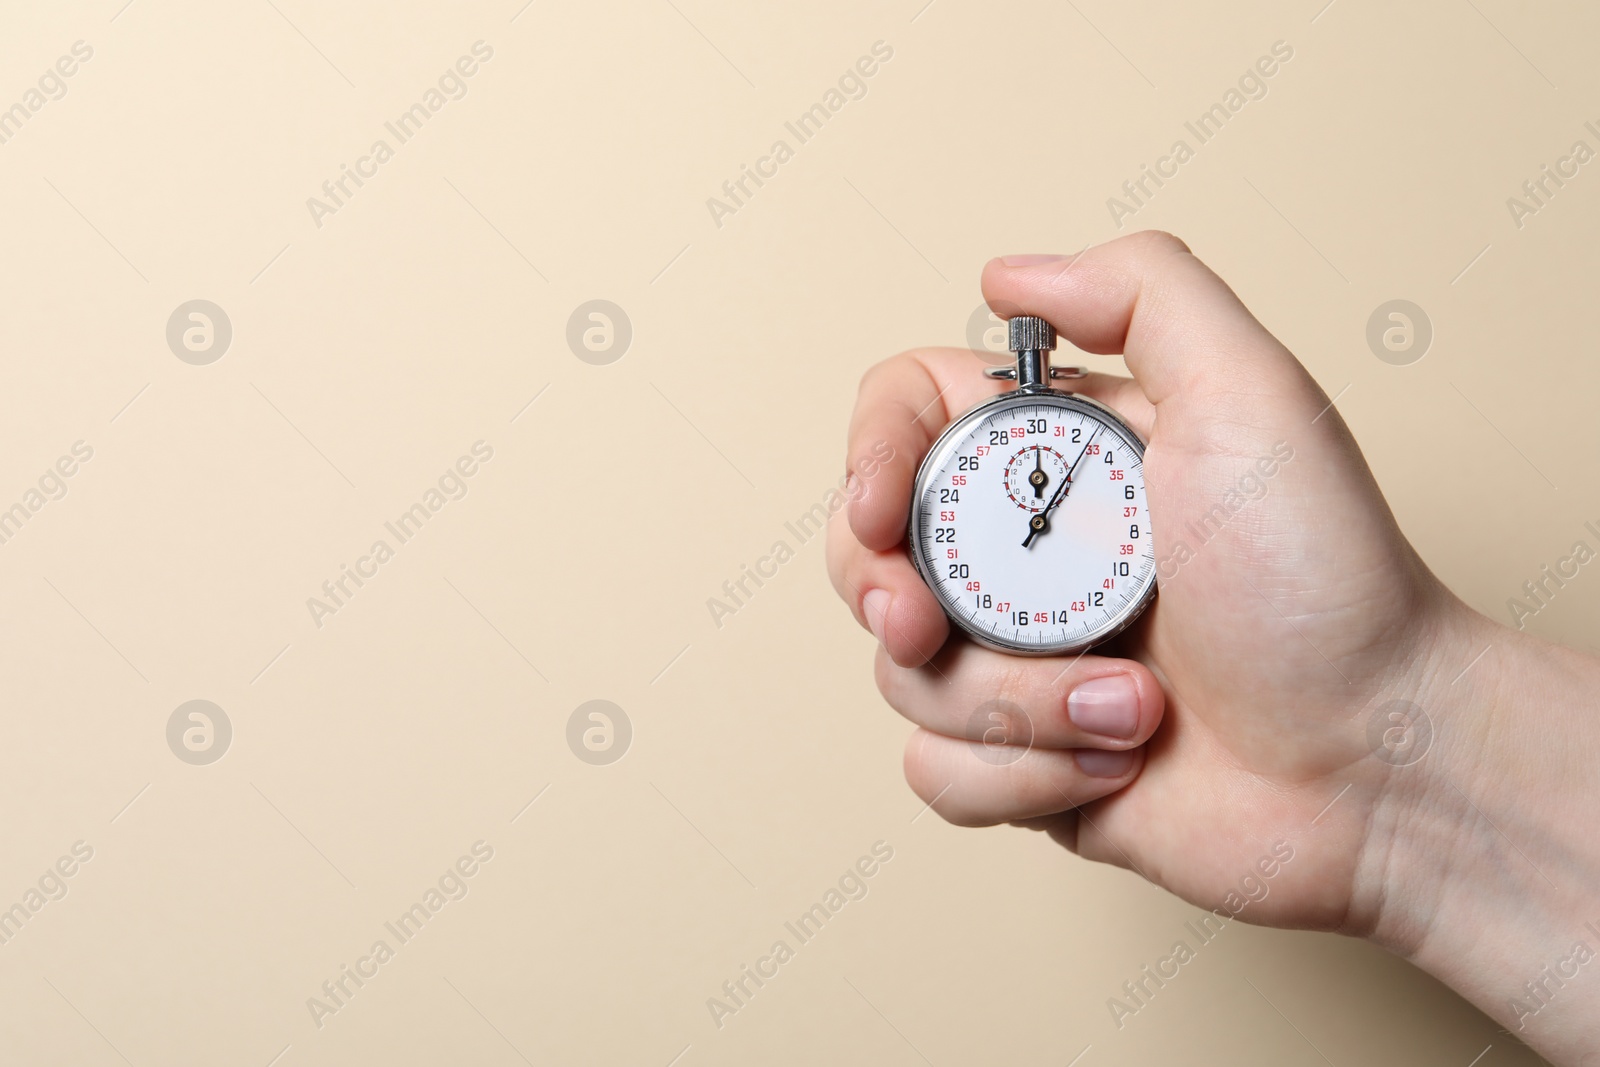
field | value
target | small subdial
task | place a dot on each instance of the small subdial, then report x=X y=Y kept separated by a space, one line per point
x=1033 y=475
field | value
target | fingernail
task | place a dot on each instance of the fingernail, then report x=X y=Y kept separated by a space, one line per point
x=875 y=606
x=1097 y=763
x=1031 y=260
x=852 y=486
x=1108 y=706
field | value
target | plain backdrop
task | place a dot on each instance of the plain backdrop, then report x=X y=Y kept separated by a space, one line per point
x=376 y=339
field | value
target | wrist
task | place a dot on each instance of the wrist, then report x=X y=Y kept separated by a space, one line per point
x=1483 y=850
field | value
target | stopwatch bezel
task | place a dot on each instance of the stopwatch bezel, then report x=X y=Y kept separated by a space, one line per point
x=929 y=468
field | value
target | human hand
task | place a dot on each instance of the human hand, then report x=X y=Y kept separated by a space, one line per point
x=1290 y=604
x=1255 y=742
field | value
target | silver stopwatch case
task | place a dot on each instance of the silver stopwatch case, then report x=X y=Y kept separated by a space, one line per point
x=1031 y=339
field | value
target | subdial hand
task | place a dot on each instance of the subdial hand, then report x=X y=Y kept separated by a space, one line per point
x=1039 y=523
x=1038 y=479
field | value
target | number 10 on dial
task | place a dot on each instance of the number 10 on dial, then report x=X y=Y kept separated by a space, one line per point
x=1028 y=516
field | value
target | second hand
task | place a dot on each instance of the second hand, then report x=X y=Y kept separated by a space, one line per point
x=1039 y=523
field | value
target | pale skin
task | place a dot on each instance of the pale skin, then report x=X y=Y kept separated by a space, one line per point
x=1237 y=712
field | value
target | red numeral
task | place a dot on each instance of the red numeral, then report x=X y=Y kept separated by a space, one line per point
x=1078 y=605
x=1116 y=476
x=958 y=479
x=947 y=516
x=1125 y=550
x=1129 y=513
x=973 y=587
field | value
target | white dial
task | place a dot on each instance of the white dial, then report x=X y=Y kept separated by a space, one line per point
x=1030 y=524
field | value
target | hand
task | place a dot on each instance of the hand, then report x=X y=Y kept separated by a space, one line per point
x=1292 y=613
x=1298 y=610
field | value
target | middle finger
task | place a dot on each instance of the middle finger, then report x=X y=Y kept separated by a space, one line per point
x=977 y=694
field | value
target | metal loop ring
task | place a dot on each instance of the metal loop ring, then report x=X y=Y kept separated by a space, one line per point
x=1009 y=374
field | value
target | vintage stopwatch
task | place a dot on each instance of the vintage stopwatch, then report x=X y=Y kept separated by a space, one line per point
x=1028 y=515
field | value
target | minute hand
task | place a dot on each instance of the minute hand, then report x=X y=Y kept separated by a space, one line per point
x=1040 y=522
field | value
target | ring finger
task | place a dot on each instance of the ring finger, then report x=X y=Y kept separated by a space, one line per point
x=972 y=784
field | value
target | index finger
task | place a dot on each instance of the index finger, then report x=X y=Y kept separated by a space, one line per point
x=904 y=404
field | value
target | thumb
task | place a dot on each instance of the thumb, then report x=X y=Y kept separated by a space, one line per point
x=1186 y=337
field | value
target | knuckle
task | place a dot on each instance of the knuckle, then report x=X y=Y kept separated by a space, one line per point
x=844 y=574
x=914 y=763
x=1160 y=241
x=970 y=820
x=1018 y=681
x=887 y=677
x=894 y=365
x=871 y=376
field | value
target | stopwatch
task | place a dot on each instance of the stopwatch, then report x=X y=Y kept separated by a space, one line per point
x=1028 y=519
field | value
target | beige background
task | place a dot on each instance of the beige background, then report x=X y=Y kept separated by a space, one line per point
x=369 y=353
